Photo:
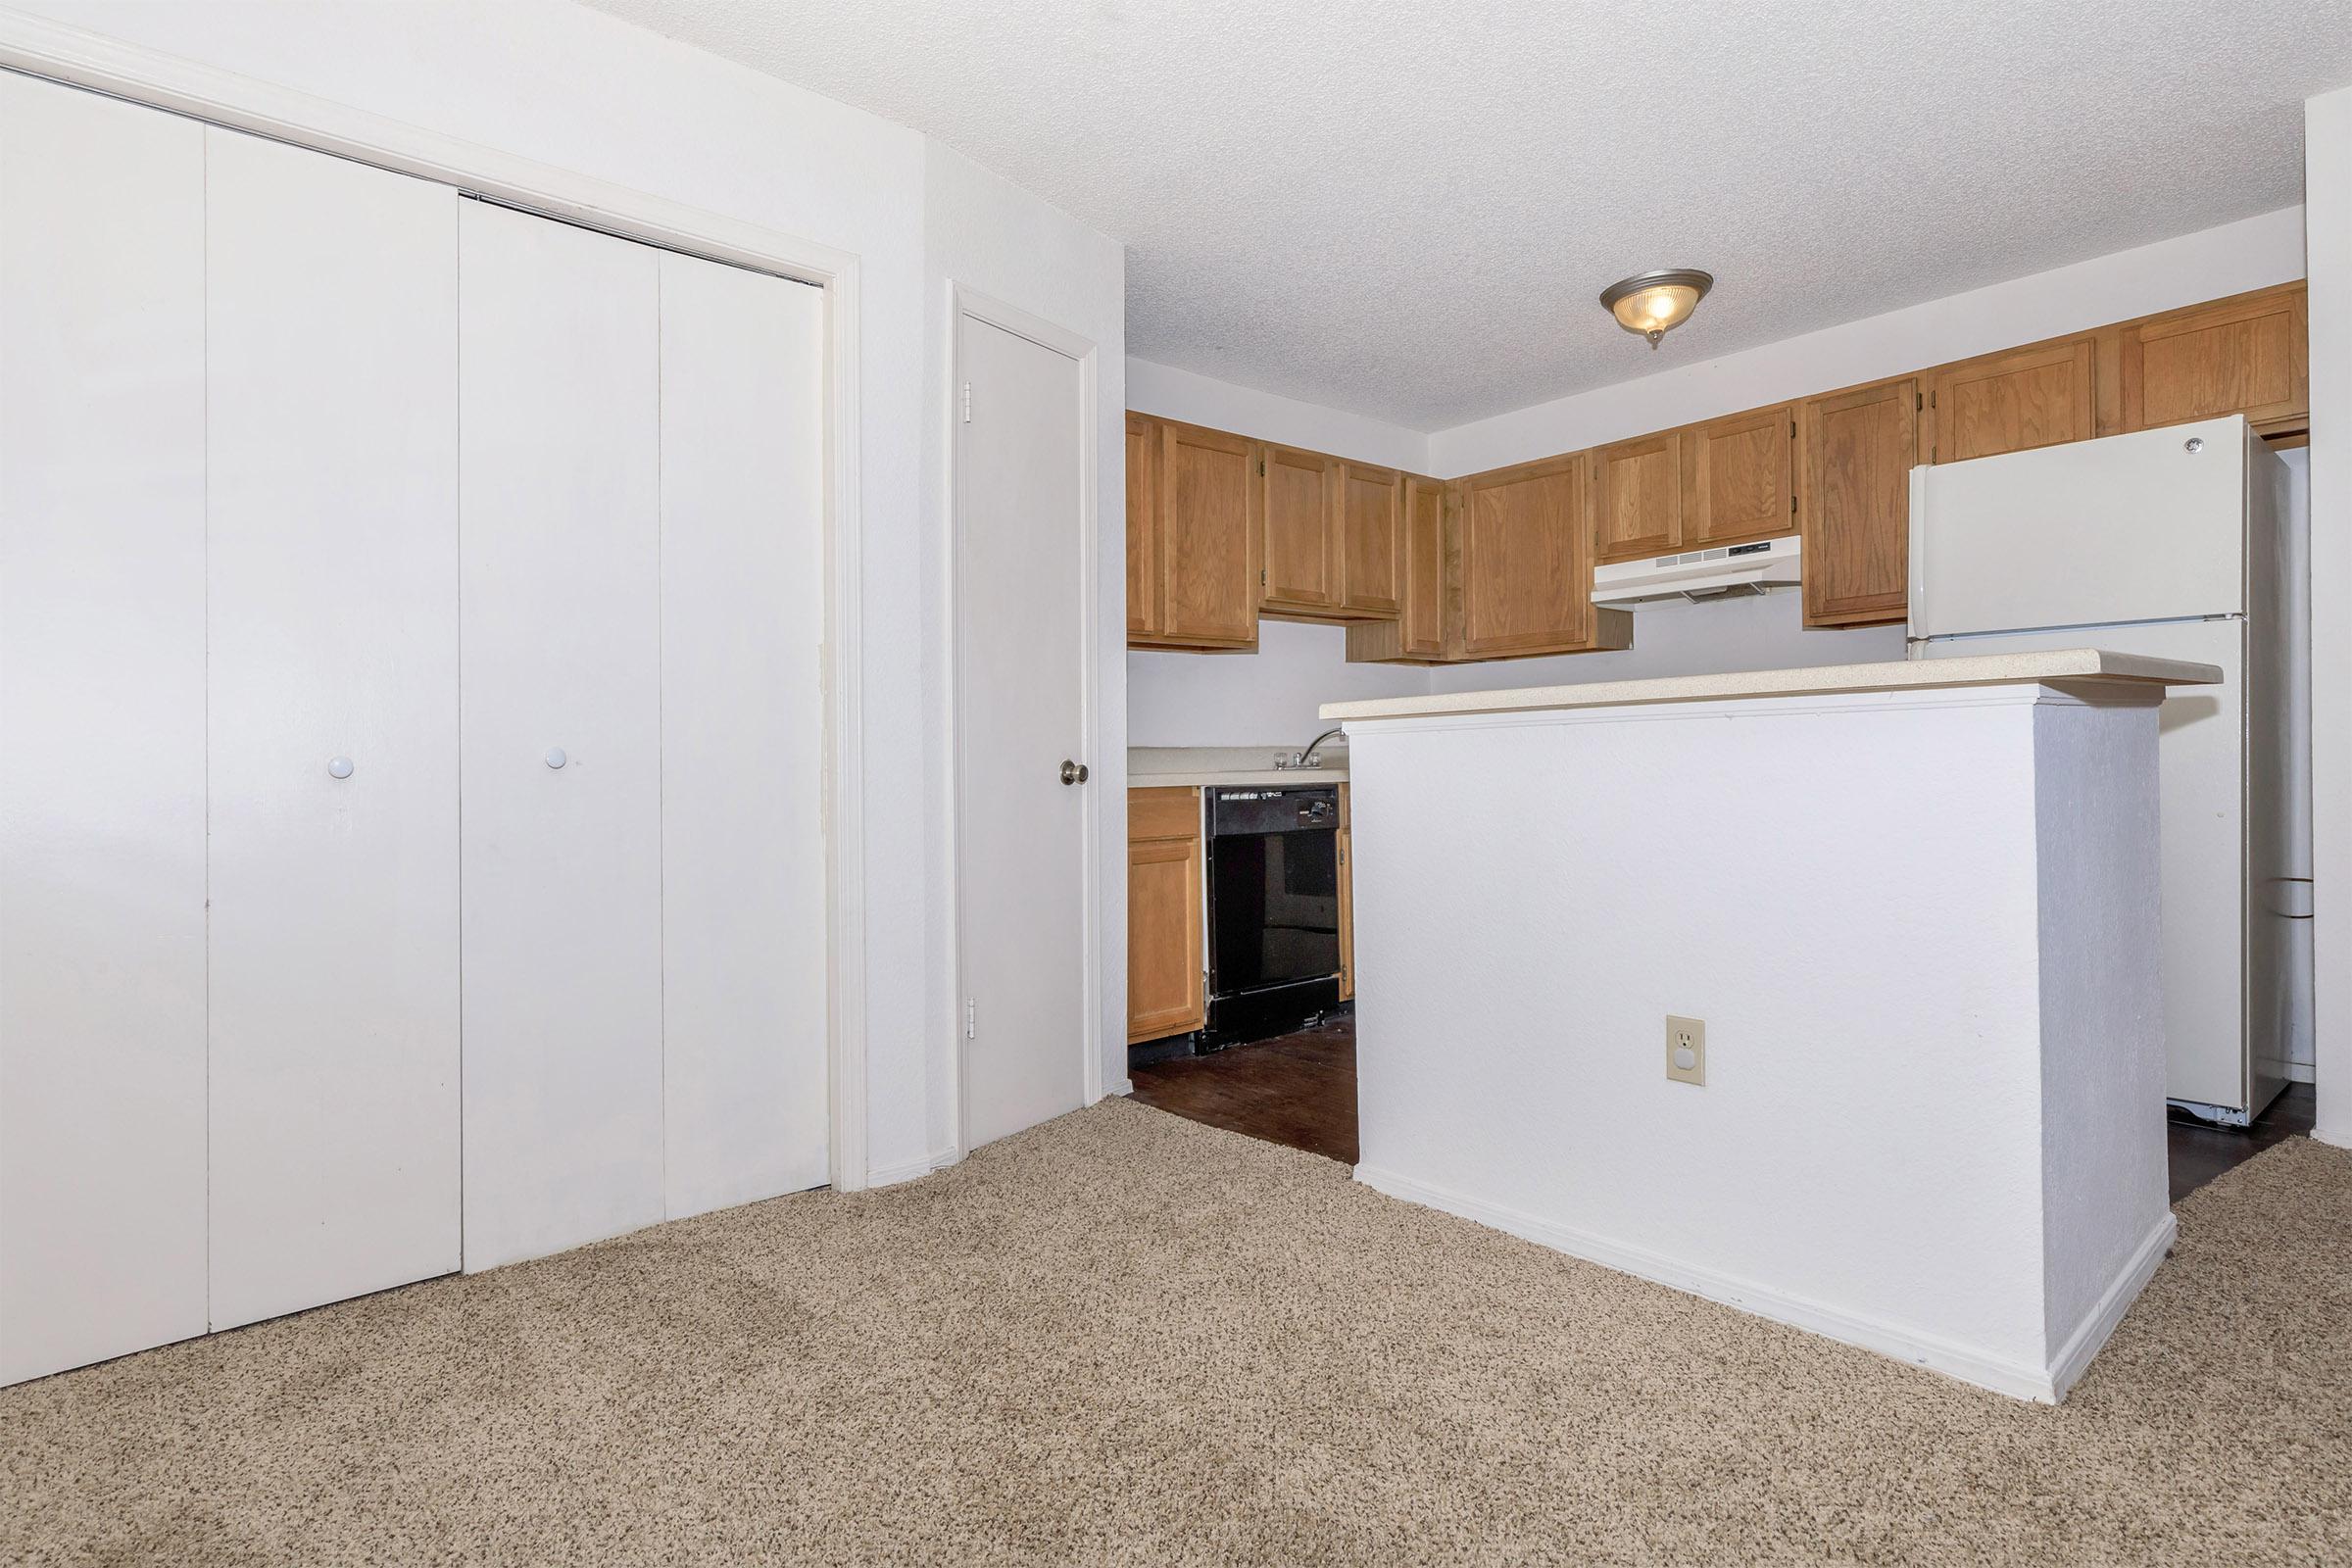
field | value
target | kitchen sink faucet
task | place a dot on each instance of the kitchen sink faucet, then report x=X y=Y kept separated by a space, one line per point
x=1307 y=757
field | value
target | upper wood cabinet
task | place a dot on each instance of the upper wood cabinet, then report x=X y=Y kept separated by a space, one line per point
x=1371 y=506
x=1166 y=880
x=1298 y=505
x=2249 y=356
x=1417 y=633
x=2036 y=397
x=1855 y=494
x=1144 y=551
x=1636 y=497
x=1526 y=565
x=1740 y=478
x=1199 y=540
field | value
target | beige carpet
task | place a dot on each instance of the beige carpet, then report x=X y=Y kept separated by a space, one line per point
x=1125 y=1338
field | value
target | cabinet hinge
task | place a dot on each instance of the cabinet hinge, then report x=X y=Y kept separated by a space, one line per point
x=1261 y=468
x=970 y=1018
x=967 y=401
x=1919 y=400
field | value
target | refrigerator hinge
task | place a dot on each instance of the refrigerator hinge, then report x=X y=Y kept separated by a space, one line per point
x=967 y=401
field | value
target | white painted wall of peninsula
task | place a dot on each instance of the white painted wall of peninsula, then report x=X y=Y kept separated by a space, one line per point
x=1916 y=907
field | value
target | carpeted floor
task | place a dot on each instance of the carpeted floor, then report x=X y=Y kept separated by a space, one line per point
x=1126 y=1338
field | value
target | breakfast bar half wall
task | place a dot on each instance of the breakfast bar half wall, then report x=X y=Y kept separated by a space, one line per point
x=1830 y=994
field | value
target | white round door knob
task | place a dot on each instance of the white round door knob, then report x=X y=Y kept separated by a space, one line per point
x=556 y=756
x=339 y=767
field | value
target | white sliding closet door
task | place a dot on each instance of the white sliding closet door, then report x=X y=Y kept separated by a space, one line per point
x=743 y=616
x=102 y=1010
x=333 y=394
x=561 y=828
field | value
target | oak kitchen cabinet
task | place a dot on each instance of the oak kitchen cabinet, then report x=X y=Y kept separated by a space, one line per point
x=1525 y=565
x=1635 y=497
x=1297 y=507
x=1167 y=972
x=2012 y=402
x=1417 y=634
x=1855 y=495
x=1740 y=478
x=1192 y=544
x=1371 y=505
x=2249 y=355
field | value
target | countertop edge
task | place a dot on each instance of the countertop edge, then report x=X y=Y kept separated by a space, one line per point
x=1985 y=670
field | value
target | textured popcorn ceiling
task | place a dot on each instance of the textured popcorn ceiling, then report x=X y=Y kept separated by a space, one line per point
x=1407 y=209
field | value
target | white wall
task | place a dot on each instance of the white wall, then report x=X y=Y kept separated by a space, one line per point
x=984 y=233
x=1867 y=1157
x=2250 y=253
x=1269 y=697
x=2327 y=191
x=1175 y=394
x=1767 y=632
x=586 y=92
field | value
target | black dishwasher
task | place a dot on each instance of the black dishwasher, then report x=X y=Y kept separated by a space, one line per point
x=1273 y=910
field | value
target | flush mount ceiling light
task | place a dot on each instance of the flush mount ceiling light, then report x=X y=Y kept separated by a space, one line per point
x=1654 y=303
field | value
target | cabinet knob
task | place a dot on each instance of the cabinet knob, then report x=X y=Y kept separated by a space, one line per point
x=339 y=767
x=556 y=756
x=1073 y=772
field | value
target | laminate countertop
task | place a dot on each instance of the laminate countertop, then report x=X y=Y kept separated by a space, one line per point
x=1184 y=766
x=2054 y=667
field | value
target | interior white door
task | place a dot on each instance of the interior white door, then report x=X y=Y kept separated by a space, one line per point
x=332 y=309
x=743 y=845
x=1021 y=657
x=102 y=1013
x=558 y=568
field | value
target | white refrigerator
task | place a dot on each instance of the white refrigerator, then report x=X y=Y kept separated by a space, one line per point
x=2180 y=543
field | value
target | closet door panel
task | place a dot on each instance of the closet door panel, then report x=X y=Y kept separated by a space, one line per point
x=332 y=303
x=559 y=573
x=102 y=1013
x=743 y=846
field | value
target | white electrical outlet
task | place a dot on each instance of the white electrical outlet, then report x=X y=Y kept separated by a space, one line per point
x=1686 y=1050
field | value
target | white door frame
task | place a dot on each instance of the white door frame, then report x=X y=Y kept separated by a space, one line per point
x=79 y=58
x=965 y=302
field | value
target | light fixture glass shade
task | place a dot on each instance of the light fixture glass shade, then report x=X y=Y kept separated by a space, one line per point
x=1654 y=304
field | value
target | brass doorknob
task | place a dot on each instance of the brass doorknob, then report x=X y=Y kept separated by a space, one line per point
x=1072 y=772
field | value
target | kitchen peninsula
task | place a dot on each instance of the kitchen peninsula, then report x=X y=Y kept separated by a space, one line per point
x=1831 y=994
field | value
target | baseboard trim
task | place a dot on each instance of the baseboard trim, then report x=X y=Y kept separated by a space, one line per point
x=911 y=1170
x=2080 y=1345
x=2019 y=1380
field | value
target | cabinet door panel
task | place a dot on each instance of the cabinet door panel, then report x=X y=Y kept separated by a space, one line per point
x=1422 y=628
x=1742 y=475
x=334 y=413
x=1165 y=887
x=1638 y=498
x=1370 y=502
x=1858 y=449
x=1298 y=502
x=1145 y=614
x=744 y=1102
x=1208 y=554
x=559 y=570
x=2012 y=402
x=2247 y=356
x=1527 y=576
x=102 y=853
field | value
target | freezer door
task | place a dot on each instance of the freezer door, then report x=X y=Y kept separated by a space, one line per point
x=2200 y=761
x=2147 y=527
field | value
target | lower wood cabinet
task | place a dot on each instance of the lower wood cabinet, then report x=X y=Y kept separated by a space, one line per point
x=1855 y=495
x=1167 y=974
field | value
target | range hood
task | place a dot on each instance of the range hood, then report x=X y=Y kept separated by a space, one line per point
x=1723 y=572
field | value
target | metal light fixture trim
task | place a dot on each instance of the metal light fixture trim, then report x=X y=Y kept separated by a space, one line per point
x=1654 y=303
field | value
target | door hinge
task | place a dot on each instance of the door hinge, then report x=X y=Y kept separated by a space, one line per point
x=972 y=1013
x=1919 y=400
x=967 y=401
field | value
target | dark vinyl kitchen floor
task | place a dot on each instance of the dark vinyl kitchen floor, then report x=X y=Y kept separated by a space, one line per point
x=1300 y=1090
